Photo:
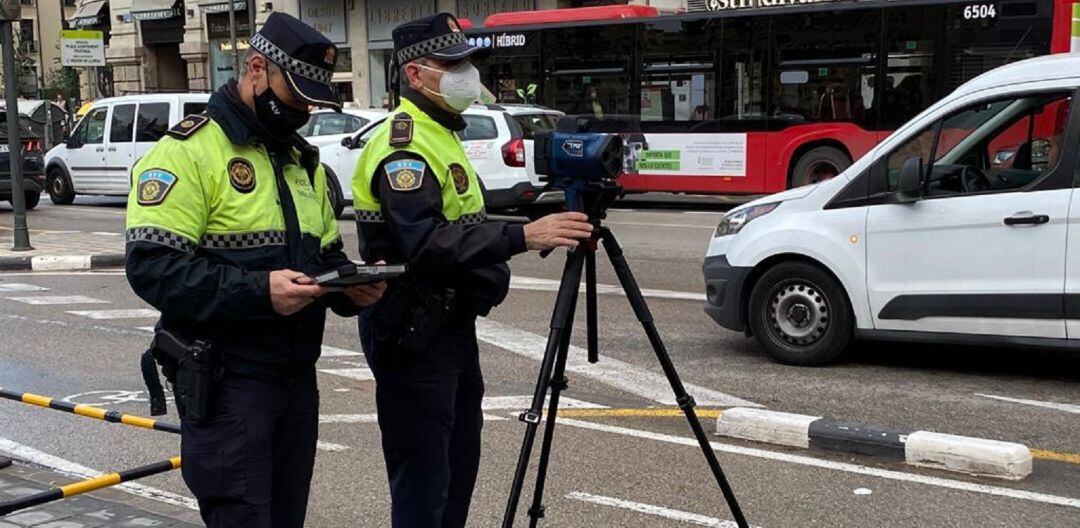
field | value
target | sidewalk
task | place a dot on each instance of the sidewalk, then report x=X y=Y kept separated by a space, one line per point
x=105 y=508
x=62 y=250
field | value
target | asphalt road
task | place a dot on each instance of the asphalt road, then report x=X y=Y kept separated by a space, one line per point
x=631 y=470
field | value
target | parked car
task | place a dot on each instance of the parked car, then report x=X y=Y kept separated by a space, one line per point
x=929 y=237
x=33 y=175
x=498 y=140
x=98 y=155
x=32 y=116
x=326 y=127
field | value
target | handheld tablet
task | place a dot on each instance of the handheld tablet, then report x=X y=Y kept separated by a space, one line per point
x=353 y=274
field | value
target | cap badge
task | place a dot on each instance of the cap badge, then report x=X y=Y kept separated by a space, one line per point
x=454 y=27
x=330 y=55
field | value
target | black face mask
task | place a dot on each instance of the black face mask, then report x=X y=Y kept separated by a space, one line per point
x=279 y=118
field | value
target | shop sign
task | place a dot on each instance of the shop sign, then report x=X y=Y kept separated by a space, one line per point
x=217 y=25
x=384 y=15
x=478 y=10
x=732 y=5
x=327 y=17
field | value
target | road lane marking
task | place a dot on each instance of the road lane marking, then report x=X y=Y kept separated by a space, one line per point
x=520 y=403
x=650 y=224
x=332 y=352
x=358 y=374
x=535 y=284
x=150 y=329
x=330 y=446
x=1071 y=458
x=78 y=325
x=1067 y=407
x=58 y=299
x=649 y=509
x=888 y=474
x=21 y=287
x=106 y=233
x=370 y=418
x=101 y=315
x=711 y=414
x=81 y=273
x=74 y=470
x=648 y=384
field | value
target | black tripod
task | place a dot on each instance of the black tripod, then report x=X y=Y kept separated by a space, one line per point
x=595 y=200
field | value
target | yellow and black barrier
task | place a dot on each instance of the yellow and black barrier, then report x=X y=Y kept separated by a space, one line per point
x=89 y=411
x=86 y=486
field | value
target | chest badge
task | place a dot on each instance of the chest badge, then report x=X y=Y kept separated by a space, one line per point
x=242 y=175
x=460 y=177
x=154 y=185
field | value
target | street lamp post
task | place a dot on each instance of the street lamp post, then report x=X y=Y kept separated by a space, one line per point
x=9 y=11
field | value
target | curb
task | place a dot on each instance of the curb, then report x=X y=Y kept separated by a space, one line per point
x=5 y=462
x=62 y=262
x=963 y=454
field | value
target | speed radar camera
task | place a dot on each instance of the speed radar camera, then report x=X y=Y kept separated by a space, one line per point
x=583 y=165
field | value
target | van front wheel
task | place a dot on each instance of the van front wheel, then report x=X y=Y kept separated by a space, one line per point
x=800 y=314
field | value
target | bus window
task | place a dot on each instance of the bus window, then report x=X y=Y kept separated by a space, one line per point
x=909 y=83
x=677 y=83
x=589 y=70
x=742 y=76
x=824 y=67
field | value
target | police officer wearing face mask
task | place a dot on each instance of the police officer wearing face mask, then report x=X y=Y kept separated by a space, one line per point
x=227 y=219
x=418 y=200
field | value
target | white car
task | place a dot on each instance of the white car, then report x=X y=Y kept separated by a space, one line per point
x=499 y=142
x=327 y=127
x=929 y=237
x=98 y=155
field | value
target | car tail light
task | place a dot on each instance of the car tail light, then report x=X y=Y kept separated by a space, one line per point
x=32 y=144
x=514 y=153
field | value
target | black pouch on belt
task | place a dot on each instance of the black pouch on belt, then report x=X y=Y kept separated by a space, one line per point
x=412 y=314
x=196 y=369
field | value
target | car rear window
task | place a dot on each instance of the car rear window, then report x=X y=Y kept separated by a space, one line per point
x=533 y=123
x=478 y=127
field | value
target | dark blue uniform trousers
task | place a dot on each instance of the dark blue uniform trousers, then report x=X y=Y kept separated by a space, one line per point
x=430 y=417
x=250 y=465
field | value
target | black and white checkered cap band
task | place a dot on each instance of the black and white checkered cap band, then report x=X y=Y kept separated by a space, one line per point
x=163 y=237
x=243 y=240
x=430 y=46
x=299 y=67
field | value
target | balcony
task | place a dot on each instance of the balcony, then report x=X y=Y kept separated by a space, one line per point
x=28 y=46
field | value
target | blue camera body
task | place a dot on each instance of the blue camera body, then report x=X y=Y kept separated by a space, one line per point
x=565 y=157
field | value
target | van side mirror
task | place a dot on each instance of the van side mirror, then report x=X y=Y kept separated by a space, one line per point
x=347 y=142
x=909 y=189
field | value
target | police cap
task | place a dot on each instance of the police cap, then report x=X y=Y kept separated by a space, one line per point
x=437 y=36
x=306 y=57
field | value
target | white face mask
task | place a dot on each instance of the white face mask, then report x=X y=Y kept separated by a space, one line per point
x=459 y=86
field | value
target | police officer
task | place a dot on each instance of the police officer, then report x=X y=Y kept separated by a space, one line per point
x=418 y=200
x=227 y=219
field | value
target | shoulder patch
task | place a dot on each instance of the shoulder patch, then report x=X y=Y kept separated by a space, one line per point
x=406 y=174
x=188 y=125
x=401 y=130
x=460 y=178
x=242 y=175
x=154 y=185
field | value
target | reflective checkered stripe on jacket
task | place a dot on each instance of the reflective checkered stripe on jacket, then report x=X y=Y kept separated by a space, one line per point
x=440 y=148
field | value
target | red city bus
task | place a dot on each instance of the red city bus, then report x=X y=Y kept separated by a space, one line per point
x=757 y=96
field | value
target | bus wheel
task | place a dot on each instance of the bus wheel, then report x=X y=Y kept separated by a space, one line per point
x=817 y=165
x=800 y=314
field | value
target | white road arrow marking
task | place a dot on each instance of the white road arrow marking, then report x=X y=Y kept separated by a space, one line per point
x=1067 y=407
x=649 y=509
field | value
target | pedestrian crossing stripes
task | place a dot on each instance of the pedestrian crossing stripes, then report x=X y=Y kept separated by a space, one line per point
x=58 y=299
x=137 y=313
x=334 y=352
x=358 y=374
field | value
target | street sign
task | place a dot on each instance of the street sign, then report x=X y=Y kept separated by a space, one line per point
x=10 y=10
x=81 y=47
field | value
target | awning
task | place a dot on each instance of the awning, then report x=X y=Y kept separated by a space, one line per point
x=88 y=13
x=155 y=9
x=221 y=6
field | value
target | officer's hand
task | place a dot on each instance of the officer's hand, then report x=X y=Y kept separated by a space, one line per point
x=557 y=230
x=291 y=291
x=364 y=295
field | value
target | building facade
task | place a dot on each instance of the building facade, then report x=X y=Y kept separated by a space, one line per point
x=188 y=45
x=37 y=42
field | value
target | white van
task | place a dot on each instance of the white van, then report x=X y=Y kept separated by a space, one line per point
x=961 y=227
x=98 y=155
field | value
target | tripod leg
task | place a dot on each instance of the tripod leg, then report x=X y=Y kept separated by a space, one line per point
x=558 y=384
x=590 y=305
x=560 y=320
x=685 y=401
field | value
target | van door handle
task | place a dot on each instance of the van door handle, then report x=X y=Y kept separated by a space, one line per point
x=99 y=149
x=112 y=149
x=1027 y=220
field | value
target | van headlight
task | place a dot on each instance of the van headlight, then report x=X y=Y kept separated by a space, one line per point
x=734 y=222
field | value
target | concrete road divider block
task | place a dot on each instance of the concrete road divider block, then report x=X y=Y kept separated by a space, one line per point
x=965 y=454
x=61 y=262
x=766 y=426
